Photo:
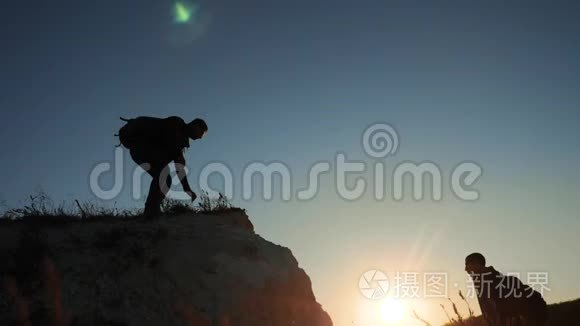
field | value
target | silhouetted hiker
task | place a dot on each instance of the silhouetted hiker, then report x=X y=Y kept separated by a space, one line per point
x=158 y=142
x=504 y=300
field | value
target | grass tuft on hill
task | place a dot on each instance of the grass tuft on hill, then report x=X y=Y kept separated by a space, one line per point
x=41 y=209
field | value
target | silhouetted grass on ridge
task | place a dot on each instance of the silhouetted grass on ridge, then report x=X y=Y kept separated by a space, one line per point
x=563 y=313
x=41 y=209
x=456 y=319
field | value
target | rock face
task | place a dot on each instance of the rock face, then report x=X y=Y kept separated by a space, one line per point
x=202 y=269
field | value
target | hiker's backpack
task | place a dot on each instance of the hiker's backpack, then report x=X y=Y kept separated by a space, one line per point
x=169 y=133
x=131 y=134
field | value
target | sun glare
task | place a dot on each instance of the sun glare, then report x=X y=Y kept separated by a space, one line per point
x=393 y=311
x=183 y=12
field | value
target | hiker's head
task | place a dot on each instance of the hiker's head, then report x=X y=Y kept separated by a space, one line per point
x=197 y=129
x=475 y=263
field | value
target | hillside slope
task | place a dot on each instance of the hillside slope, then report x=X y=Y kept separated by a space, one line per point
x=189 y=269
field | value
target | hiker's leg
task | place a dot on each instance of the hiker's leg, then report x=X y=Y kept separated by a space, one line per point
x=142 y=156
x=152 y=160
x=164 y=182
x=157 y=190
x=154 y=198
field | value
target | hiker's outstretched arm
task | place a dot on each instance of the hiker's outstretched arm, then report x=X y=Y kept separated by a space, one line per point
x=180 y=168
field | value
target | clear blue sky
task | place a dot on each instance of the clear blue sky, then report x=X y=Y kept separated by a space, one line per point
x=494 y=82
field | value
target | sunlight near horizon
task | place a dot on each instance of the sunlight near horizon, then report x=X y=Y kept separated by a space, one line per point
x=393 y=311
x=385 y=312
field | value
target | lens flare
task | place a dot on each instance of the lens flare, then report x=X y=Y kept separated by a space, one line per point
x=184 y=12
x=189 y=21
